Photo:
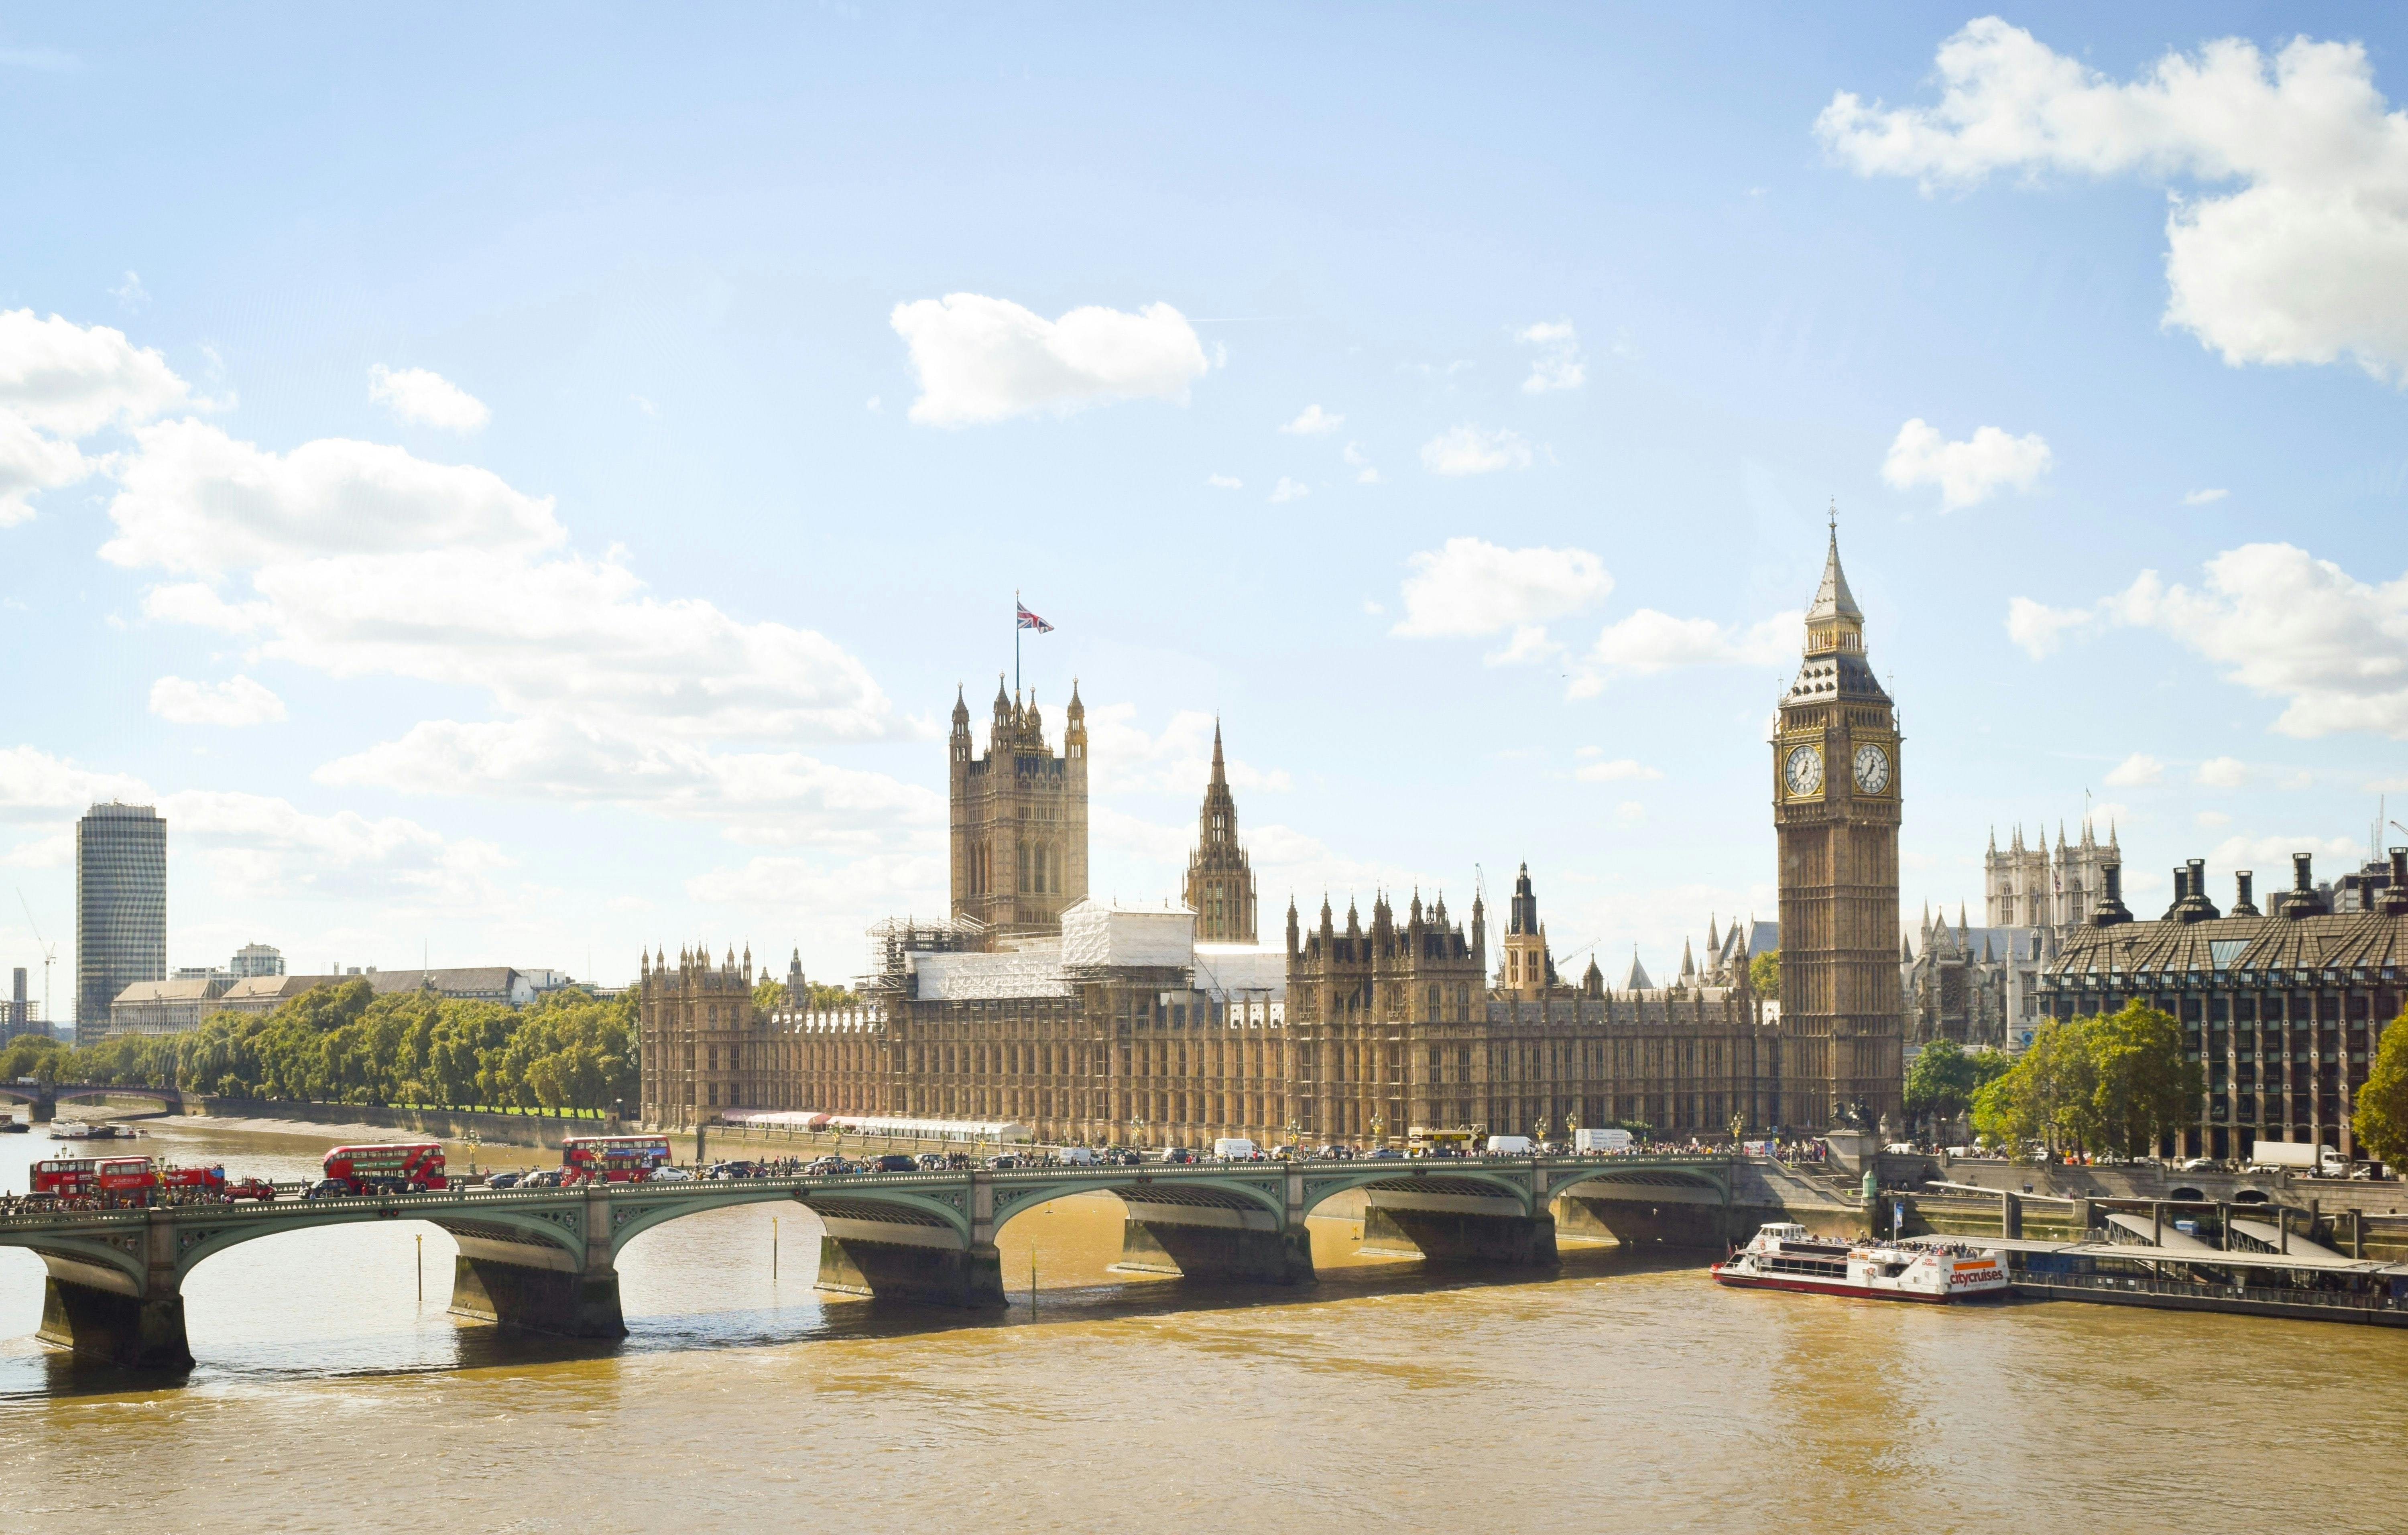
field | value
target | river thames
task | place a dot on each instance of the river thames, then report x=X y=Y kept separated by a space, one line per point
x=1618 y=1394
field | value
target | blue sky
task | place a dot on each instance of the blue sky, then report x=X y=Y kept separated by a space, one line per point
x=526 y=488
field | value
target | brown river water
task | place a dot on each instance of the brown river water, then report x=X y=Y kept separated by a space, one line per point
x=1618 y=1392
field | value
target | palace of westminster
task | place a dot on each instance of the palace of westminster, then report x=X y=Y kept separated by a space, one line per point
x=1086 y=1021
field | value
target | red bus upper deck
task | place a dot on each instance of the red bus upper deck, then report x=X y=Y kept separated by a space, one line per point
x=405 y=1166
x=613 y=1159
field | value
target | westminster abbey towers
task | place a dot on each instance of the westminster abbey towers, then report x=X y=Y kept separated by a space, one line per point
x=1835 y=810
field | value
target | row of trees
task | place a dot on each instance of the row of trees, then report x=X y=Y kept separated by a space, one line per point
x=2117 y=1082
x=341 y=1043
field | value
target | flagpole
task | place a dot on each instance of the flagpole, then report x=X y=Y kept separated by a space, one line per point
x=1015 y=645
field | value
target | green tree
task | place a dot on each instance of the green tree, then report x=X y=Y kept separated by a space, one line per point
x=827 y=999
x=769 y=994
x=2380 y=1123
x=1764 y=973
x=2117 y=1082
x=1943 y=1077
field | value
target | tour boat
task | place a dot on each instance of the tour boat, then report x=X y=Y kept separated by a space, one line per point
x=70 y=1129
x=1933 y=1270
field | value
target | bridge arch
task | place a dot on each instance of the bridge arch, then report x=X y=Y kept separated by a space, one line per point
x=1465 y=1180
x=1141 y=1189
x=1688 y=1184
x=543 y=1231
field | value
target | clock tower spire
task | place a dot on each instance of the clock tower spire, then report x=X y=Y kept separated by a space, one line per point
x=1835 y=812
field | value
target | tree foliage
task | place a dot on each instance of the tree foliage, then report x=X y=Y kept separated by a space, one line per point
x=1764 y=973
x=341 y=1043
x=2380 y=1125
x=1943 y=1077
x=2116 y=1082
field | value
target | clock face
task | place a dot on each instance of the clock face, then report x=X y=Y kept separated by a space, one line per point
x=1804 y=770
x=1872 y=768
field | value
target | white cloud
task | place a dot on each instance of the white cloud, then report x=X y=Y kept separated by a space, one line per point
x=1471 y=587
x=2278 y=621
x=1313 y=421
x=1289 y=490
x=1630 y=812
x=236 y=701
x=1648 y=642
x=357 y=559
x=195 y=500
x=2290 y=242
x=1967 y=472
x=983 y=359
x=782 y=797
x=1557 y=364
x=1122 y=757
x=1475 y=450
x=2211 y=820
x=1224 y=483
x=71 y=380
x=424 y=398
x=130 y=293
x=35 y=785
x=257 y=848
x=2224 y=773
x=2270 y=856
x=2201 y=499
x=2134 y=771
x=1619 y=770
x=31 y=463
x=2042 y=630
x=1364 y=473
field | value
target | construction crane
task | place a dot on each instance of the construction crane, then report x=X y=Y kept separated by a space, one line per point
x=50 y=955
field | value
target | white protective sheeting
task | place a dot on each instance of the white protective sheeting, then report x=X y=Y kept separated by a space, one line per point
x=1098 y=935
x=1228 y=970
x=954 y=978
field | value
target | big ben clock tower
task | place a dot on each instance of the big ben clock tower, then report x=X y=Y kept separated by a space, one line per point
x=1835 y=812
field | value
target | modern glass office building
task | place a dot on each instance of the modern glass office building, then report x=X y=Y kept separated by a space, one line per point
x=121 y=909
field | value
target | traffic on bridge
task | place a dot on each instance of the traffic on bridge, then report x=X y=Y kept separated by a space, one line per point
x=538 y=1251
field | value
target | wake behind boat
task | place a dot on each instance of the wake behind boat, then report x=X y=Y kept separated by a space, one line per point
x=1932 y=1270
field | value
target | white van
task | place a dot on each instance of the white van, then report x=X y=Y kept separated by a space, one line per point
x=1234 y=1149
x=1600 y=1140
x=1509 y=1145
x=1078 y=1156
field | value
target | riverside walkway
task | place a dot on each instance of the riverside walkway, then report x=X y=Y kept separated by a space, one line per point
x=546 y=1259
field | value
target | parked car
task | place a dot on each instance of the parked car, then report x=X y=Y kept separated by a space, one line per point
x=504 y=1180
x=2202 y=1163
x=548 y=1178
x=891 y=1162
x=1383 y=1154
x=327 y=1188
x=1177 y=1154
x=1007 y=1161
x=668 y=1175
x=932 y=1161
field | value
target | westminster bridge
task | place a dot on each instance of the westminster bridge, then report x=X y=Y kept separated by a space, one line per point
x=545 y=1260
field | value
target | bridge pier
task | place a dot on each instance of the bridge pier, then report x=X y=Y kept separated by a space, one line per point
x=932 y=1274
x=104 y=1325
x=1223 y=1246
x=531 y=1285
x=1456 y=1236
x=100 y=1311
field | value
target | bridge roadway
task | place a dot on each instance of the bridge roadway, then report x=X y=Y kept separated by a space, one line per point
x=546 y=1259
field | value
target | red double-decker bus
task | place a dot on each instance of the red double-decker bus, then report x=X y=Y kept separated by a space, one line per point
x=612 y=1158
x=413 y=1168
x=125 y=1180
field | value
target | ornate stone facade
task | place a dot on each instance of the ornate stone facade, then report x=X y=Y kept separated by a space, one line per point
x=1837 y=791
x=2028 y=887
x=1019 y=817
x=1220 y=887
x=2282 y=1011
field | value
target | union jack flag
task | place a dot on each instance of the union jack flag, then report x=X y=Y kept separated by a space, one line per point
x=1030 y=620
